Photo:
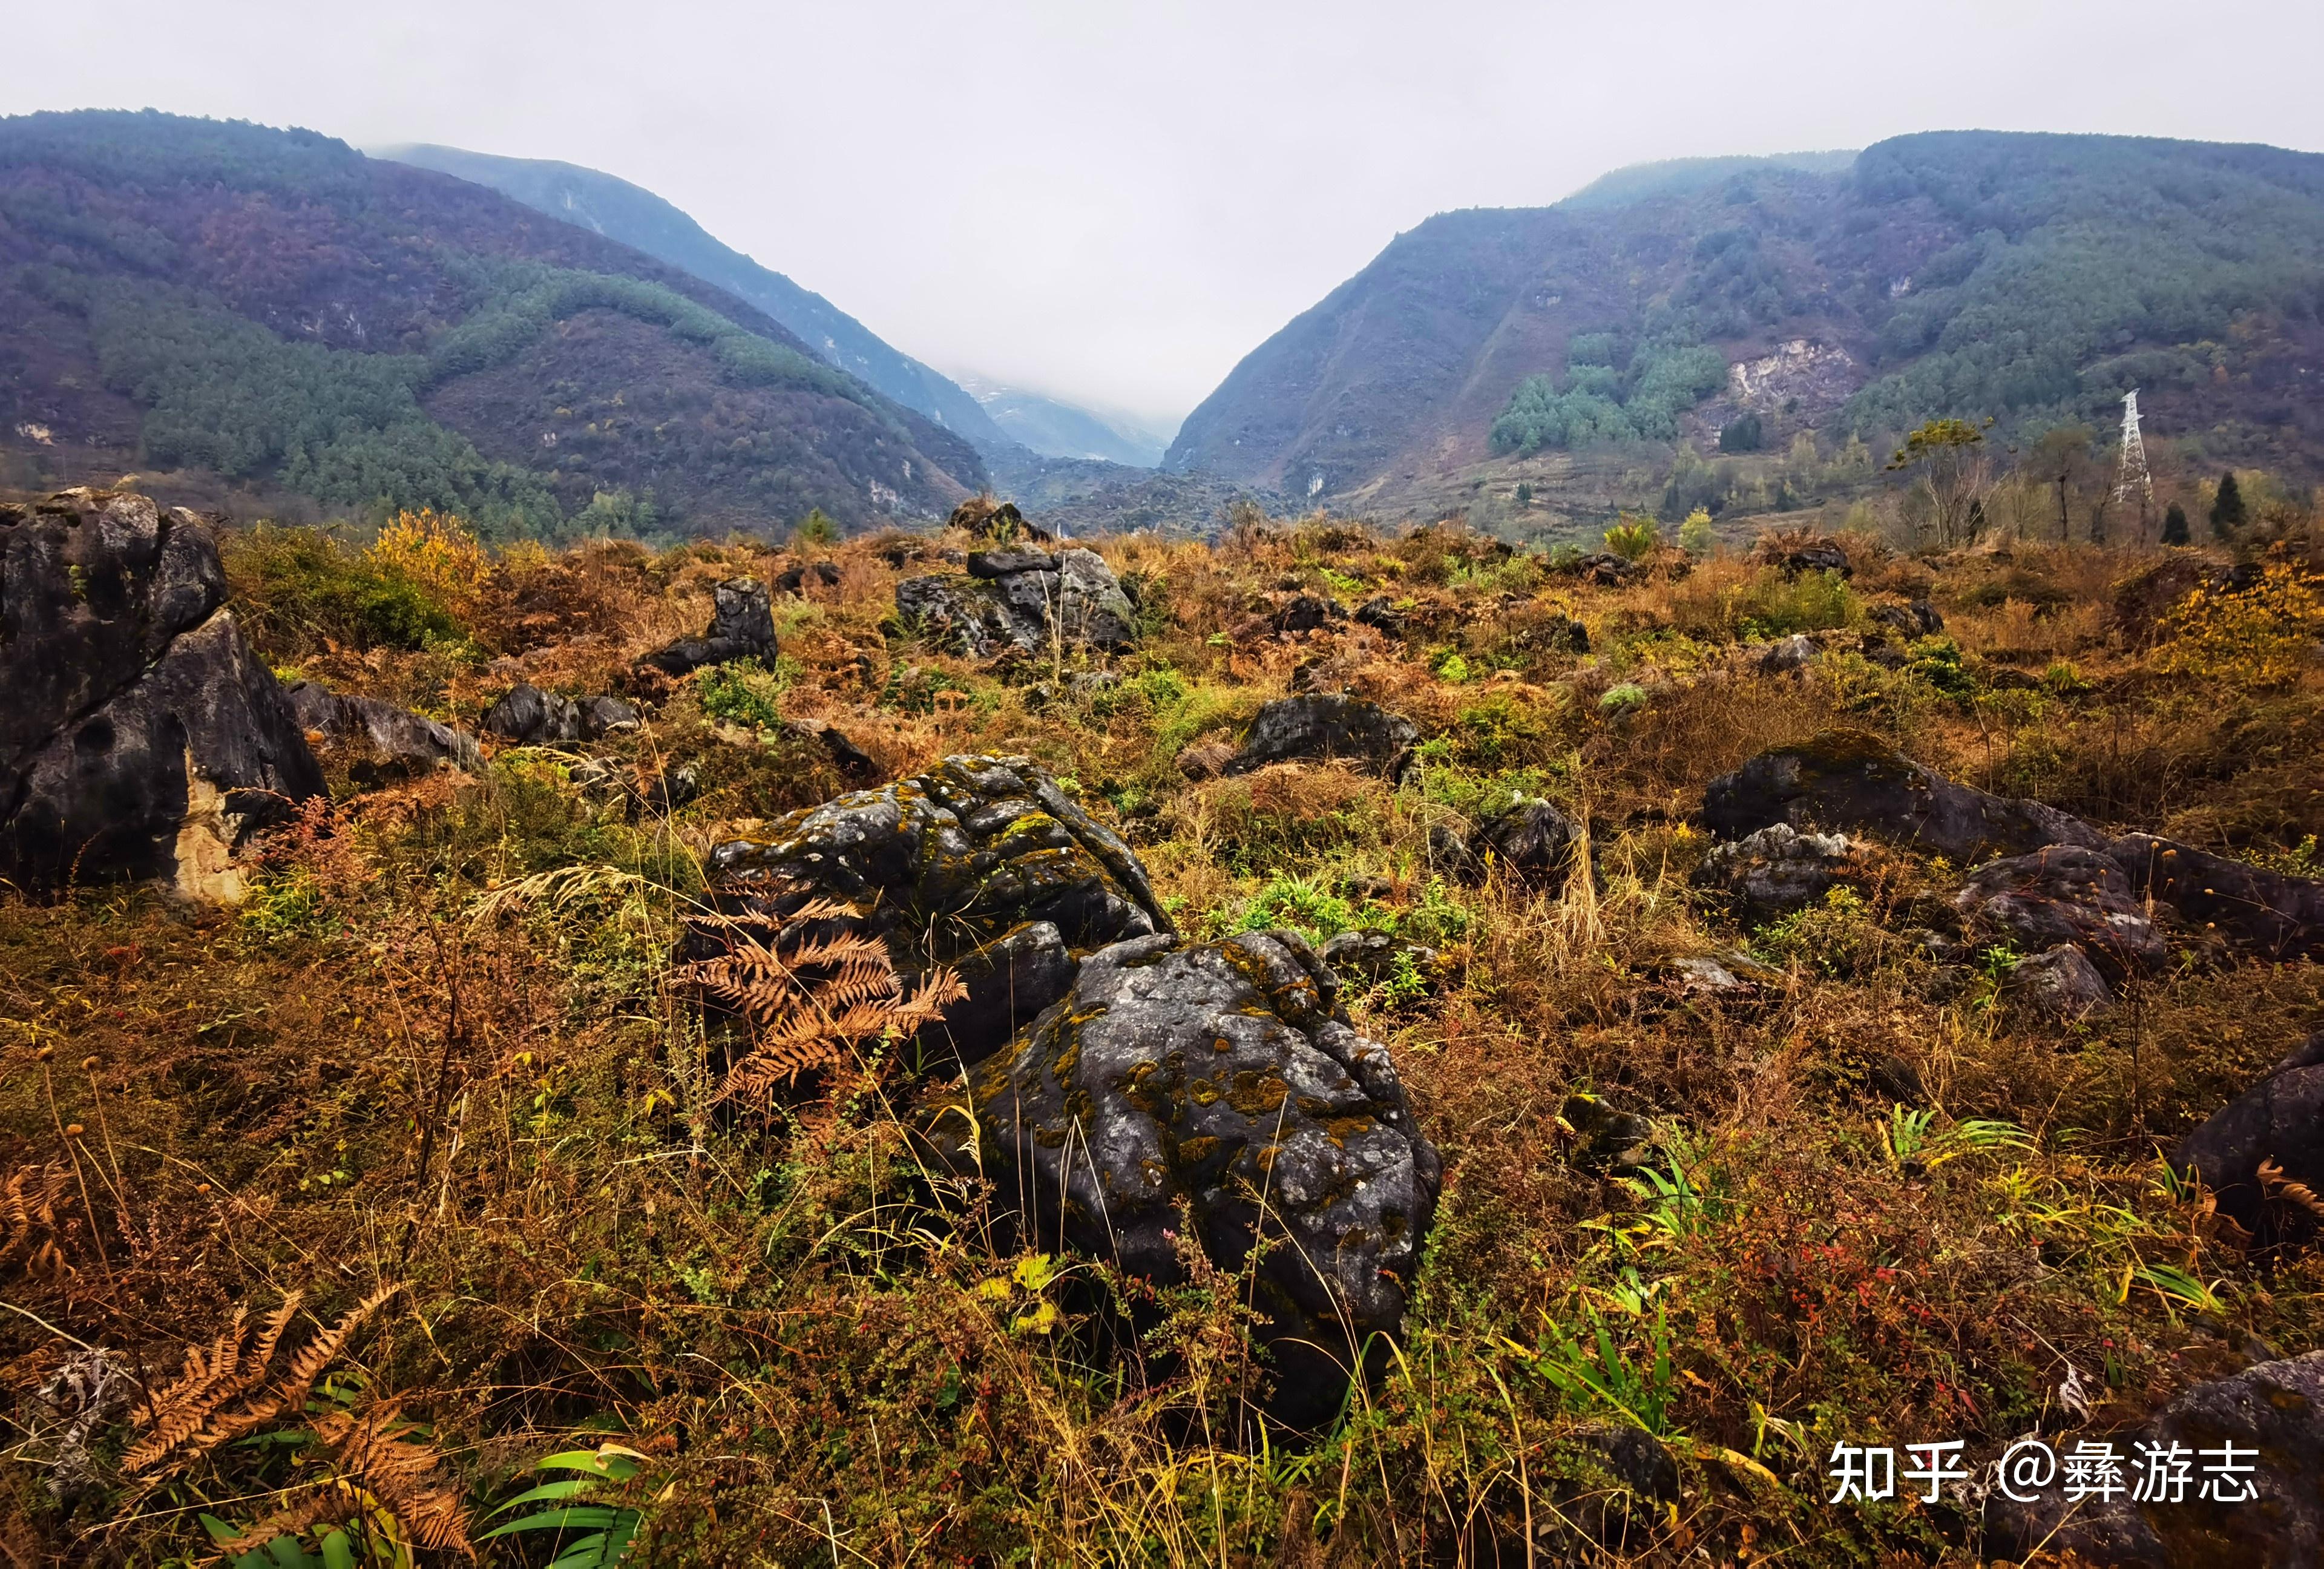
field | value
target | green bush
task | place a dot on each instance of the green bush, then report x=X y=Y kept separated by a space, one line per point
x=299 y=587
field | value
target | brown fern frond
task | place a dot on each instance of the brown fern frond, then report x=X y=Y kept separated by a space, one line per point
x=319 y=1353
x=178 y=1412
x=270 y=1336
x=29 y=1204
x=400 y=1469
x=2275 y=1185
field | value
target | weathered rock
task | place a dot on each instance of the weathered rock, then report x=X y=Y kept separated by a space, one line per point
x=1779 y=869
x=1224 y=1076
x=2274 y=1412
x=1789 y=656
x=603 y=716
x=1604 y=1140
x=1321 y=726
x=377 y=741
x=1850 y=779
x=1918 y=619
x=1380 y=959
x=528 y=717
x=1797 y=555
x=2281 y=917
x=998 y=521
x=1605 y=569
x=2280 y=1119
x=1307 y=612
x=852 y=760
x=742 y=627
x=2064 y=894
x=141 y=738
x=795 y=578
x=2060 y=984
x=948 y=866
x=1553 y=634
x=1380 y=614
x=1529 y=839
x=1031 y=599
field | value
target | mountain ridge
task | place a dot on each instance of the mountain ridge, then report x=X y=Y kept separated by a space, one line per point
x=636 y=216
x=2032 y=278
x=273 y=307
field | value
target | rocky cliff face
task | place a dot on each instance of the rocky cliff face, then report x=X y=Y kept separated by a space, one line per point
x=142 y=738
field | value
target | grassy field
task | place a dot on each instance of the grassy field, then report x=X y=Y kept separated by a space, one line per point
x=436 y=1093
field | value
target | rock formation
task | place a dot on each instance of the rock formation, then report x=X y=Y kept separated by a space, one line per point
x=981 y=862
x=1223 y=1077
x=142 y=737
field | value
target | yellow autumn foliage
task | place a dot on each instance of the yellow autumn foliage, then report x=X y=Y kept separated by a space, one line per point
x=2263 y=636
x=436 y=550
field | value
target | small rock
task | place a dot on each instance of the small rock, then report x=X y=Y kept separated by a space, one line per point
x=1779 y=869
x=1918 y=619
x=379 y=740
x=1380 y=959
x=2060 y=984
x=1207 y=1075
x=1380 y=614
x=528 y=717
x=1854 y=780
x=1530 y=839
x=2274 y=1412
x=603 y=716
x=1319 y=727
x=794 y=579
x=1307 y=612
x=1606 y=1140
x=1790 y=655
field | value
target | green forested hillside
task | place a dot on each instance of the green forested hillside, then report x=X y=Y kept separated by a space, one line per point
x=638 y=218
x=274 y=309
x=2032 y=280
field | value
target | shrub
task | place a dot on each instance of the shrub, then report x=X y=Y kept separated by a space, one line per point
x=435 y=550
x=745 y=692
x=303 y=588
x=1633 y=539
x=2264 y=636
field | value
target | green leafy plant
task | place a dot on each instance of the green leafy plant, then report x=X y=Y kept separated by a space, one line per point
x=588 y=1533
x=1911 y=1137
x=1634 y=539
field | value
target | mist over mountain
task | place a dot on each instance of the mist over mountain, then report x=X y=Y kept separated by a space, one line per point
x=1054 y=428
x=274 y=310
x=2032 y=279
x=638 y=218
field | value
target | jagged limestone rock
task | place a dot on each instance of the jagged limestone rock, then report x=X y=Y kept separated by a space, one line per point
x=957 y=866
x=378 y=742
x=1779 y=869
x=742 y=627
x=1032 y=600
x=1225 y=1078
x=142 y=738
x=1318 y=726
x=2063 y=894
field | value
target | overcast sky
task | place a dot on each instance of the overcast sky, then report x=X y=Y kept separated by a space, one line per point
x=1116 y=202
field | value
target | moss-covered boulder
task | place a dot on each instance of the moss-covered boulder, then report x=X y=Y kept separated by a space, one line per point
x=1853 y=780
x=1317 y=726
x=1223 y=1077
x=982 y=863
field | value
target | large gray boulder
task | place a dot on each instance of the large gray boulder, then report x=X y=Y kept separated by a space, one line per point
x=1029 y=599
x=1318 y=726
x=742 y=627
x=1223 y=1077
x=2063 y=894
x=142 y=738
x=2271 y=1412
x=982 y=863
x=2278 y=1122
x=1852 y=780
x=2279 y=916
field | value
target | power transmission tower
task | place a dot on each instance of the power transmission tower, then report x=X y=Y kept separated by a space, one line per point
x=2135 y=475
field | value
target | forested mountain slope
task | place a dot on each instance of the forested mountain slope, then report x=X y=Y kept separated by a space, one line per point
x=2033 y=278
x=638 y=218
x=275 y=308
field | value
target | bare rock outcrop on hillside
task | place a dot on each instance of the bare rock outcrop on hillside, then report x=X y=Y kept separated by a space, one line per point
x=142 y=737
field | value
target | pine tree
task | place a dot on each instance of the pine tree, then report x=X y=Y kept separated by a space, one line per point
x=2174 y=525
x=2227 y=508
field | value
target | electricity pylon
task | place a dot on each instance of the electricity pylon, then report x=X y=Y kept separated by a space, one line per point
x=2135 y=475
